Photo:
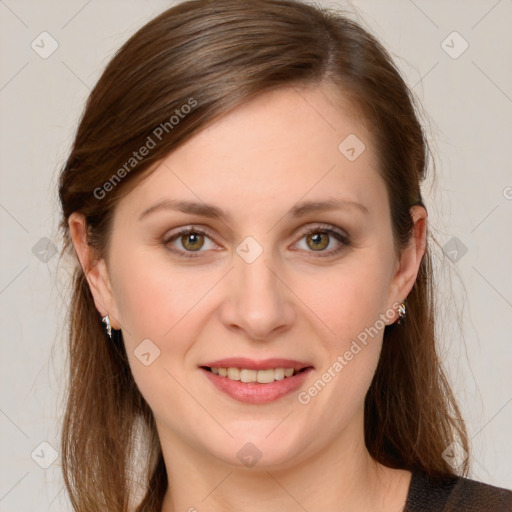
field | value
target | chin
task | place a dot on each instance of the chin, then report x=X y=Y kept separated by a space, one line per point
x=259 y=450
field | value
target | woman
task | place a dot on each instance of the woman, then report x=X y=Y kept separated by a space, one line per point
x=252 y=320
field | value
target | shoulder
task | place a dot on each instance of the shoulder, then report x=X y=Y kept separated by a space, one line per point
x=455 y=494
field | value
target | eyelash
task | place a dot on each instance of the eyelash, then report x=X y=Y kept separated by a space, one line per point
x=322 y=228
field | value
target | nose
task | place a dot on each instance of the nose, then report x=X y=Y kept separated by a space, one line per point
x=258 y=301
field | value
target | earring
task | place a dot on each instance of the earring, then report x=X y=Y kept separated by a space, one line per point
x=108 y=327
x=401 y=312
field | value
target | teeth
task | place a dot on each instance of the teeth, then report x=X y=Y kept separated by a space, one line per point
x=265 y=376
x=234 y=373
x=248 y=375
x=279 y=374
x=261 y=376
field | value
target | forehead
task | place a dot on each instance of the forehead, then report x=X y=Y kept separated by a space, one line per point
x=281 y=147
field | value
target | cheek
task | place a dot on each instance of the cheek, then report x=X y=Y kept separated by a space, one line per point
x=171 y=305
x=351 y=297
x=150 y=302
x=155 y=296
x=349 y=303
x=160 y=302
x=158 y=299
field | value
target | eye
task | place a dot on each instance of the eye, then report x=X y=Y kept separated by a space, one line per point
x=191 y=240
x=319 y=238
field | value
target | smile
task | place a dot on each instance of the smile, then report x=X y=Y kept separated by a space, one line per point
x=248 y=375
x=249 y=388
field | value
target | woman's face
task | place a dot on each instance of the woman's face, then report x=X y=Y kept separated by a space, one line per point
x=276 y=276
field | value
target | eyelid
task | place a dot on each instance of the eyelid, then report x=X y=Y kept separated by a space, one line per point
x=324 y=227
x=342 y=237
x=191 y=228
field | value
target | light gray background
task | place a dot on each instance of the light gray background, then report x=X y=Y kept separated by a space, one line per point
x=468 y=105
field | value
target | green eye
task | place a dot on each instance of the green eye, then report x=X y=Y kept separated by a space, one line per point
x=190 y=242
x=318 y=238
x=318 y=241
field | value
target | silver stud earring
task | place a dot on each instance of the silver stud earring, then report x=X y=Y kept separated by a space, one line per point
x=108 y=327
x=401 y=312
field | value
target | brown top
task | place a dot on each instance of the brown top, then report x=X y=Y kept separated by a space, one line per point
x=456 y=494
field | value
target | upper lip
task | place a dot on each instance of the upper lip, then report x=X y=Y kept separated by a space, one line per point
x=252 y=364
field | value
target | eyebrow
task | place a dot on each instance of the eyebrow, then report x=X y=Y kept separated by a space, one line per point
x=214 y=212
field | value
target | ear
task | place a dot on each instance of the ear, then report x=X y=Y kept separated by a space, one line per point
x=410 y=258
x=95 y=269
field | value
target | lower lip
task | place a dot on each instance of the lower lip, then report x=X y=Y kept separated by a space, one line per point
x=254 y=392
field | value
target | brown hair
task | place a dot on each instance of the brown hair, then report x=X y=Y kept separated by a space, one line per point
x=215 y=56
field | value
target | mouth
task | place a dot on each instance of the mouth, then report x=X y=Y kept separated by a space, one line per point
x=256 y=382
x=249 y=375
x=250 y=370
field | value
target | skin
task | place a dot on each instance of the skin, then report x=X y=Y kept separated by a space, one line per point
x=268 y=154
